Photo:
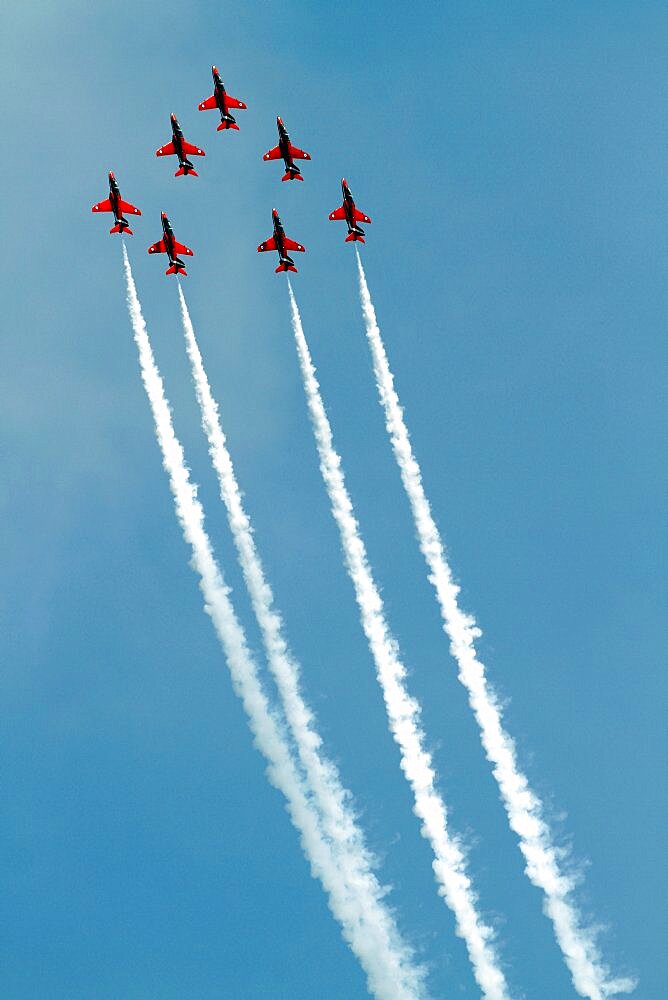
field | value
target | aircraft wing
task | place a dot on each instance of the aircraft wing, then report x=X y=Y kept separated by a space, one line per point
x=167 y=150
x=209 y=104
x=289 y=244
x=158 y=247
x=102 y=206
x=233 y=102
x=360 y=216
x=273 y=154
x=298 y=154
x=337 y=214
x=181 y=248
x=269 y=244
x=130 y=209
x=191 y=150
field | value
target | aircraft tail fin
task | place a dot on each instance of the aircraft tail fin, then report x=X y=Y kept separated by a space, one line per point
x=176 y=269
x=226 y=125
x=186 y=169
x=354 y=236
x=293 y=174
x=285 y=267
x=120 y=228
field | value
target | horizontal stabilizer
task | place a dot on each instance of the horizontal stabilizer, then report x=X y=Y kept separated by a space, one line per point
x=283 y=267
x=354 y=237
x=175 y=269
x=225 y=125
x=292 y=176
x=121 y=229
x=186 y=171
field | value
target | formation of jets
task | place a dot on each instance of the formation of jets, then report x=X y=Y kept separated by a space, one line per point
x=221 y=101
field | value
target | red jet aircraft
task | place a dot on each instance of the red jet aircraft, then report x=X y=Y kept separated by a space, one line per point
x=288 y=153
x=179 y=147
x=114 y=203
x=169 y=245
x=223 y=101
x=282 y=243
x=351 y=214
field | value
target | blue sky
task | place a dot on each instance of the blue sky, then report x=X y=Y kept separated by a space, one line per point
x=512 y=158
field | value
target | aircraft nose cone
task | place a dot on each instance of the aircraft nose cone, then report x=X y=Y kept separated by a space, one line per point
x=213 y=69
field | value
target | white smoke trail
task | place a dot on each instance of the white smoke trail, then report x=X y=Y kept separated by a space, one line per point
x=390 y=984
x=334 y=802
x=525 y=810
x=403 y=711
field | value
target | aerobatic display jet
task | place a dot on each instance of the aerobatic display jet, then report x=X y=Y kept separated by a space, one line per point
x=171 y=247
x=288 y=153
x=114 y=203
x=351 y=214
x=281 y=243
x=179 y=147
x=223 y=101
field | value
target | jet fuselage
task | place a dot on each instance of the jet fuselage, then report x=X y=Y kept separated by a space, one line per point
x=169 y=238
x=177 y=139
x=284 y=146
x=349 y=209
x=115 y=199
